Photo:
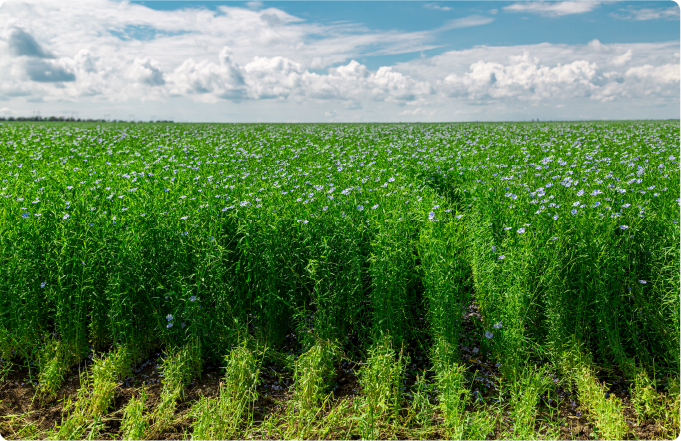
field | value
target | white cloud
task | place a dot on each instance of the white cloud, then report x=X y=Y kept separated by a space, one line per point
x=283 y=79
x=621 y=60
x=466 y=22
x=546 y=73
x=523 y=77
x=208 y=81
x=264 y=63
x=437 y=6
x=123 y=51
x=667 y=74
x=553 y=9
x=671 y=13
x=147 y=71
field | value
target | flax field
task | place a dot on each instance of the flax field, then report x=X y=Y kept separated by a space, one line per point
x=339 y=281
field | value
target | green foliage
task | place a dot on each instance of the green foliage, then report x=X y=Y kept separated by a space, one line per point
x=454 y=396
x=134 y=424
x=95 y=396
x=228 y=415
x=313 y=372
x=191 y=238
x=381 y=379
x=55 y=358
x=605 y=413
x=524 y=399
x=105 y=372
x=421 y=408
x=179 y=367
x=660 y=407
x=446 y=276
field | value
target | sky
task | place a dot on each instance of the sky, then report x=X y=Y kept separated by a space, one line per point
x=340 y=61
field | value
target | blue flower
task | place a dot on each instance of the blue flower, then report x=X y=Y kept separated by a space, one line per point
x=488 y=334
x=431 y=215
x=574 y=212
x=42 y=284
x=642 y=282
x=170 y=325
x=497 y=326
x=502 y=257
x=26 y=215
x=623 y=227
x=521 y=230
x=374 y=207
x=169 y=317
x=494 y=248
x=192 y=298
x=555 y=217
x=360 y=207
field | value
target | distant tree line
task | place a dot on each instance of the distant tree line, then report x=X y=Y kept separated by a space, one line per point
x=69 y=119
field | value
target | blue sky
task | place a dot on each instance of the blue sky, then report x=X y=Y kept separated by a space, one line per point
x=606 y=22
x=340 y=61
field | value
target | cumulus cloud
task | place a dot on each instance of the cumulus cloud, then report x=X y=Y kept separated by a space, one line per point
x=545 y=73
x=115 y=52
x=275 y=77
x=47 y=72
x=553 y=9
x=621 y=60
x=210 y=81
x=147 y=71
x=22 y=43
x=523 y=77
x=282 y=79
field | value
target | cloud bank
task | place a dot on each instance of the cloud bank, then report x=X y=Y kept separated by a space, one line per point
x=115 y=52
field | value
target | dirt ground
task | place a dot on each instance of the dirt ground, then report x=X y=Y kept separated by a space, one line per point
x=25 y=415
